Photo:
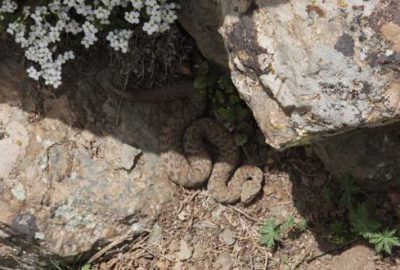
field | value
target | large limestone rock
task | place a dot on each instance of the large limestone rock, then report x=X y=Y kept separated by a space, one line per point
x=69 y=176
x=309 y=69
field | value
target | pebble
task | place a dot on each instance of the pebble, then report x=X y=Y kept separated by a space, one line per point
x=185 y=251
x=228 y=237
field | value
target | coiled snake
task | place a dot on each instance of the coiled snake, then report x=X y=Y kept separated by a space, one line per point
x=184 y=155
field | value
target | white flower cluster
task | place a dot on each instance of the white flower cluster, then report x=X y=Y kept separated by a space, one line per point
x=40 y=30
x=7 y=6
x=119 y=39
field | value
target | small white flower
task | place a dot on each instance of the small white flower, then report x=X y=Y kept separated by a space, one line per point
x=132 y=17
x=41 y=37
x=90 y=34
x=33 y=73
x=8 y=6
x=150 y=27
x=73 y=27
x=119 y=39
x=137 y=4
x=102 y=14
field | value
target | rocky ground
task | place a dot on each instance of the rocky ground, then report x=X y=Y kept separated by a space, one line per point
x=78 y=175
x=194 y=232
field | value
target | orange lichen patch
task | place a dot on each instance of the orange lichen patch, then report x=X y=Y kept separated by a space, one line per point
x=316 y=9
x=393 y=95
x=341 y=3
x=391 y=32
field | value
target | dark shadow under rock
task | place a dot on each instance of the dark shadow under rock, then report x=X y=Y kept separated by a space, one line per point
x=370 y=155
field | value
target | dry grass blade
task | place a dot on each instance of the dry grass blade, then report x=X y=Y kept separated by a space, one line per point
x=245 y=215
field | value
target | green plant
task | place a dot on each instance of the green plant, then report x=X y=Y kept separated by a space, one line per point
x=361 y=220
x=86 y=267
x=349 y=189
x=337 y=232
x=227 y=107
x=384 y=241
x=42 y=29
x=366 y=226
x=270 y=234
x=288 y=225
x=302 y=225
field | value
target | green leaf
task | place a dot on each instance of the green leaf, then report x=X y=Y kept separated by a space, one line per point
x=384 y=241
x=302 y=225
x=288 y=224
x=362 y=222
x=86 y=267
x=270 y=234
x=241 y=139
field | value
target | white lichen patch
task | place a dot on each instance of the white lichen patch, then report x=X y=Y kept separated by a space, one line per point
x=39 y=235
x=19 y=193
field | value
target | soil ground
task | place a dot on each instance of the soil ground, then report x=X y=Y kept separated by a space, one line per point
x=195 y=232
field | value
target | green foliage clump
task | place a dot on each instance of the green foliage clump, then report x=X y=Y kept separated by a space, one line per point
x=272 y=233
x=227 y=107
x=349 y=190
x=362 y=221
x=384 y=241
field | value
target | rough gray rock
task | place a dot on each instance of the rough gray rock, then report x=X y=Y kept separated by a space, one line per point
x=202 y=19
x=310 y=69
x=69 y=177
x=371 y=156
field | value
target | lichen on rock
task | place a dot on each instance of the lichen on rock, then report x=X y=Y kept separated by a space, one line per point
x=310 y=70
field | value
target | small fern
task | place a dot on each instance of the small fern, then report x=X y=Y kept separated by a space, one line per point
x=288 y=225
x=384 y=241
x=362 y=222
x=337 y=231
x=270 y=234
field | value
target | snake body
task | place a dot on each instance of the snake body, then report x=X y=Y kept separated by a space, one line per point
x=184 y=156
